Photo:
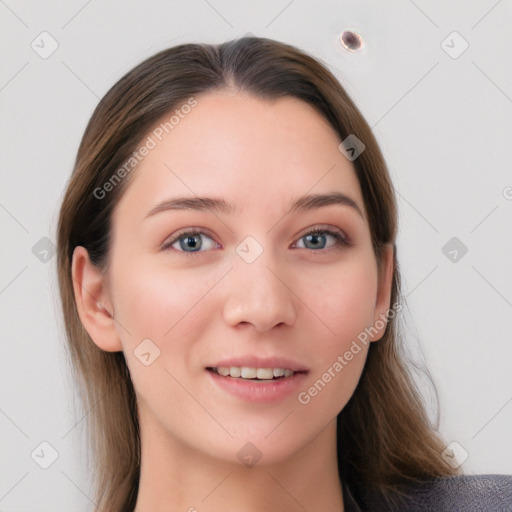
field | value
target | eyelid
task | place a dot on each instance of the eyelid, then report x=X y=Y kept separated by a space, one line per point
x=326 y=228
x=341 y=237
x=169 y=241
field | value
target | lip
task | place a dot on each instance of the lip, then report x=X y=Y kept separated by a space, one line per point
x=266 y=391
x=261 y=362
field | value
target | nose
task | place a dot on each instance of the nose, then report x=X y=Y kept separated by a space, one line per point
x=260 y=294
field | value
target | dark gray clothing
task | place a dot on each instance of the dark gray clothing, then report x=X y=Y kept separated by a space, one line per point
x=468 y=493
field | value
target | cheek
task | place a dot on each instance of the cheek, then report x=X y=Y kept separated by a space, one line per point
x=152 y=302
x=343 y=300
x=157 y=314
x=168 y=307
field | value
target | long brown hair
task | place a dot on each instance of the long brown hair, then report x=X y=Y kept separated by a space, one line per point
x=385 y=437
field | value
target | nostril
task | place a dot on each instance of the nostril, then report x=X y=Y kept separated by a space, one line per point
x=351 y=40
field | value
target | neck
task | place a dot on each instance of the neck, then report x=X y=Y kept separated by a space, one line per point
x=175 y=476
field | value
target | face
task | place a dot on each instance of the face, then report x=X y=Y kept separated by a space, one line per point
x=260 y=285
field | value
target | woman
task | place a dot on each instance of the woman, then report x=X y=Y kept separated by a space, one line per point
x=230 y=288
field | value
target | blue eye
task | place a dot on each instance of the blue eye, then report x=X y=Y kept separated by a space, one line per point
x=192 y=240
x=312 y=237
x=187 y=240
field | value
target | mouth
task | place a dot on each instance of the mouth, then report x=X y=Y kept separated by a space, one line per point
x=257 y=384
x=254 y=374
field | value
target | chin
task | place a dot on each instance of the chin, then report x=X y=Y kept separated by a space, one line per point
x=256 y=446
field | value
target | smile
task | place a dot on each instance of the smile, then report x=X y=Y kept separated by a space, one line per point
x=263 y=385
x=245 y=372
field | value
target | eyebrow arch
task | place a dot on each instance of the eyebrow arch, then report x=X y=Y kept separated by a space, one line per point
x=310 y=202
x=301 y=204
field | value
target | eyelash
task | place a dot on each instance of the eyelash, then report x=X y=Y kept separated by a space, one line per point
x=341 y=240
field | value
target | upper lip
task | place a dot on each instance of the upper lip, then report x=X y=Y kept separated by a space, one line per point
x=261 y=362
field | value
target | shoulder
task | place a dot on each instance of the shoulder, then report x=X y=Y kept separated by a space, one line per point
x=489 y=493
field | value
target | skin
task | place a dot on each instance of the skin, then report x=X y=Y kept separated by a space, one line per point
x=295 y=301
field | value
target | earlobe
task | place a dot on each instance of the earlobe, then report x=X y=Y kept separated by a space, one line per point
x=385 y=284
x=93 y=302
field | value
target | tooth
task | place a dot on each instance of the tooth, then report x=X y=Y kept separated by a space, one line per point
x=248 y=373
x=253 y=373
x=234 y=371
x=264 y=373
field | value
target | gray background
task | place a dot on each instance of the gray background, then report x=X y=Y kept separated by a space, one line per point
x=444 y=124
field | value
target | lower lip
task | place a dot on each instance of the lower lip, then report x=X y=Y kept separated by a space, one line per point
x=264 y=391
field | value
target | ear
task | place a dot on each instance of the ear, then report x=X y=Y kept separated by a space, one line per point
x=93 y=301
x=383 y=299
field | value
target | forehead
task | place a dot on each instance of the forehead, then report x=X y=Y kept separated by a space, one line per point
x=255 y=153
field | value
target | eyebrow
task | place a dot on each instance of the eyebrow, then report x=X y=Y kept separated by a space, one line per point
x=301 y=204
